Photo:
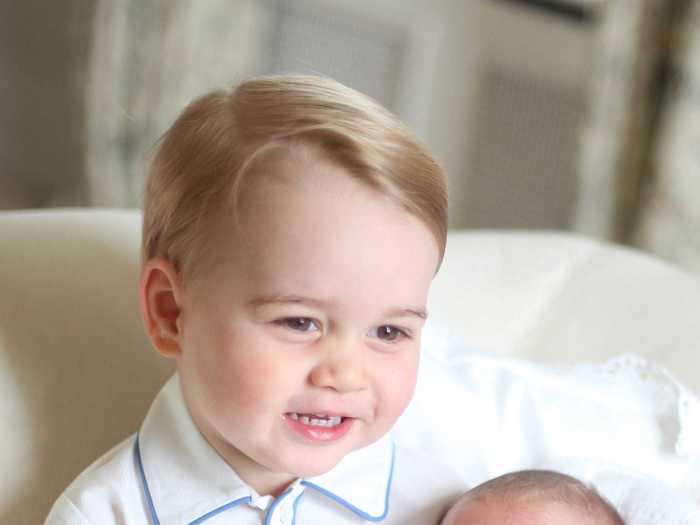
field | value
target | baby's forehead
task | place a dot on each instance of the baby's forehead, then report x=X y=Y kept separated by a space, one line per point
x=495 y=510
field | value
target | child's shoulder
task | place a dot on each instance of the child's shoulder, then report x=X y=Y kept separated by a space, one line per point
x=104 y=490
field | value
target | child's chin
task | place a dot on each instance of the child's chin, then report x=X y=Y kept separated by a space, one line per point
x=315 y=467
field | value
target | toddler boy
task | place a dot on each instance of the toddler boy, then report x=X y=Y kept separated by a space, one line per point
x=532 y=497
x=292 y=228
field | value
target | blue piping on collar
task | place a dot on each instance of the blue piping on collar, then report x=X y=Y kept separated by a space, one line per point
x=277 y=501
x=144 y=483
x=294 y=508
x=149 y=499
x=248 y=499
x=352 y=507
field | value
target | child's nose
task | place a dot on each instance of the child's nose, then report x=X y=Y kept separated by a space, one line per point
x=342 y=366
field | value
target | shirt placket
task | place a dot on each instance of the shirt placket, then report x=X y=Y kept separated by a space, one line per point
x=281 y=511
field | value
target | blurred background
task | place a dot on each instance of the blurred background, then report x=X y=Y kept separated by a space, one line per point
x=580 y=115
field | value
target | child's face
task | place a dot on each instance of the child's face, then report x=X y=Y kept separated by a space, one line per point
x=315 y=308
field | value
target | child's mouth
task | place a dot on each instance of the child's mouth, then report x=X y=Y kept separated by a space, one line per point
x=317 y=420
x=318 y=427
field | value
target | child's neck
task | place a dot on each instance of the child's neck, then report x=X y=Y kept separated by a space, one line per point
x=264 y=482
x=273 y=489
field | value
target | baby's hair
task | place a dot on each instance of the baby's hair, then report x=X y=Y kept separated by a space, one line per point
x=221 y=139
x=545 y=485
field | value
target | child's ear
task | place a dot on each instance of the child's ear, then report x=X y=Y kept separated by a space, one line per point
x=161 y=306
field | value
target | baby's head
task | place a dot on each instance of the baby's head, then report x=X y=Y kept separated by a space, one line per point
x=292 y=228
x=532 y=497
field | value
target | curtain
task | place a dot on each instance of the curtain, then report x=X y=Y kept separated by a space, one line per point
x=612 y=161
x=670 y=219
x=639 y=170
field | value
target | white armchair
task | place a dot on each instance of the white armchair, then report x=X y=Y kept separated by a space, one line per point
x=77 y=373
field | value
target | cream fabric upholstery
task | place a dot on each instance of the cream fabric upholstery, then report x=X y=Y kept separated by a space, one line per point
x=77 y=373
x=562 y=298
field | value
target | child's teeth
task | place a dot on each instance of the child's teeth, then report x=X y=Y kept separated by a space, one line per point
x=322 y=421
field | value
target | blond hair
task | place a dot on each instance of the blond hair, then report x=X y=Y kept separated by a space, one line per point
x=201 y=160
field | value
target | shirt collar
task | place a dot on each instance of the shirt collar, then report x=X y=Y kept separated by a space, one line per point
x=361 y=481
x=184 y=479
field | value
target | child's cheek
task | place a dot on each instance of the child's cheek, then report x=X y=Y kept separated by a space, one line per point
x=398 y=383
x=249 y=374
x=258 y=381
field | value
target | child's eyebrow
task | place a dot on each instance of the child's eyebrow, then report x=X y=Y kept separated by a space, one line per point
x=264 y=300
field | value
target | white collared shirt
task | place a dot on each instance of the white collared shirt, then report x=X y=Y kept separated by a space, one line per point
x=168 y=474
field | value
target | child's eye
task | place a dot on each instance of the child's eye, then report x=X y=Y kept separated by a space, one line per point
x=299 y=324
x=388 y=333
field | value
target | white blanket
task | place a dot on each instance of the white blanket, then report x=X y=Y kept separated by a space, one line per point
x=626 y=426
